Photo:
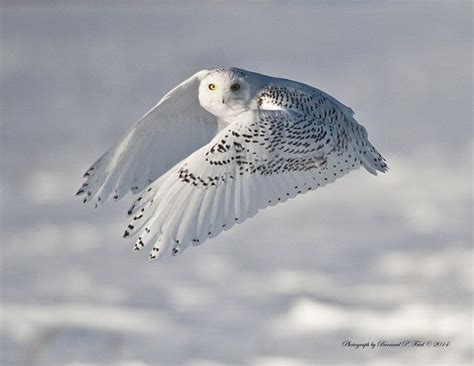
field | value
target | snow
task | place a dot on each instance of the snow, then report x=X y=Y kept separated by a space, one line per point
x=365 y=259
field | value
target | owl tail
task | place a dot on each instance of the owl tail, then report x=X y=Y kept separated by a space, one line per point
x=372 y=160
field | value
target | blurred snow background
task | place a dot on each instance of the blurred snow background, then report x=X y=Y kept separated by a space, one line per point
x=367 y=258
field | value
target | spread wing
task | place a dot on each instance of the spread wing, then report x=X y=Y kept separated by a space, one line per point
x=263 y=158
x=169 y=132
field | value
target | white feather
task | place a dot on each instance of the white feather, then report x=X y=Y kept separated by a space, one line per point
x=166 y=134
x=208 y=159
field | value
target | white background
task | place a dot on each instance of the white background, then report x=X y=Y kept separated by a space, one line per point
x=365 y=259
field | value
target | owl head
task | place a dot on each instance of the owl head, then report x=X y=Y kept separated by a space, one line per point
x=228 y=92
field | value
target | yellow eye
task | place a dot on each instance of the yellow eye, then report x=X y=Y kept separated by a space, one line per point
x=212 y=86
x=235 y=87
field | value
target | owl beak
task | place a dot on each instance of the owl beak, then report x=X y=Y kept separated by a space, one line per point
x=223 y=100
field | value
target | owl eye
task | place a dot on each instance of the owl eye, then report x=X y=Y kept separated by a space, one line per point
x=212 y=86
x=235 y=87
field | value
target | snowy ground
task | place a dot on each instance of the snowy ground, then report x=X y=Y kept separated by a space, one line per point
x=365 y=259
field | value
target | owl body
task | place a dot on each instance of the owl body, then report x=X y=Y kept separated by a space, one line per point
x=236 y=142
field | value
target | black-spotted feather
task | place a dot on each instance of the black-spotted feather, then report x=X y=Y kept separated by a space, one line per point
x=201 y=174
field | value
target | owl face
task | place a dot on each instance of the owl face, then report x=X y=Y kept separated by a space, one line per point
x=226 y=92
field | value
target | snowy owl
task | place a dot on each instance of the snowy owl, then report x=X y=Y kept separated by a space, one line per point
x=220 y=146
